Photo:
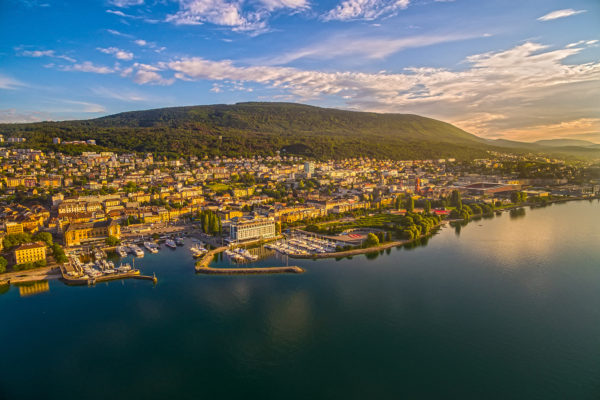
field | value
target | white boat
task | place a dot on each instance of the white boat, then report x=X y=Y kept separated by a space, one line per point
x=151 y=247
x=121 y=252
x=171 y=243
x=179 y=241
x=124 y=268
x=135 y=249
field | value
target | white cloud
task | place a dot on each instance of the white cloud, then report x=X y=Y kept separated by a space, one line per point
x=45 y=53
x=147 y=74
x=530 y=83
x=126 y=3
x=84 y=107
x=11 y=115
x=567 y=12
x=9 y=83
x=117 y=33
x=233 y=14
x=120 y=94
x=117 y=12
x=88 y=66
x=140 y=42
x=364 y=9
x=369 y=47
x=277 y=4
x=118 y=53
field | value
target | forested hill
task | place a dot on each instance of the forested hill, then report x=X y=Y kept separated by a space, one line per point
x=247 y=129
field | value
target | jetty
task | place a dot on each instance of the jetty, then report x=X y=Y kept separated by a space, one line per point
x=202 y=267
x=250 y=271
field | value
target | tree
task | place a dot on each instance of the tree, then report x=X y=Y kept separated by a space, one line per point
x=455 y=199
x=410 y=204
x=44 y=237
x=3 y=264
x=112 y=241
x=372 y=240
x=427 y=206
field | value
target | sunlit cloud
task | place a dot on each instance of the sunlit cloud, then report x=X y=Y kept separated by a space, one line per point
x=560 y=14
x=88 y=66
x=118 y=53
x=364 y=9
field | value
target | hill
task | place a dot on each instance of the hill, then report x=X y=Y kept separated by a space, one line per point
x=247 y=129
x=565 y=142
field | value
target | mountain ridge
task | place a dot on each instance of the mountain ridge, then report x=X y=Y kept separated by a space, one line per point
x=266 y=128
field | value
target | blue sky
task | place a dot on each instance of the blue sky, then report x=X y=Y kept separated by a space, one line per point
x=498 y=68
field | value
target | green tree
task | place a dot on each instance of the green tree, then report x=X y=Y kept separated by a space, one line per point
x=44 y=237
x=3 y=264
x=410 y=204
x=112 y=241
x=372 y=240
x=427 y=206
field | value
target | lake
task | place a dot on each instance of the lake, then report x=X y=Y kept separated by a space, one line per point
x=507 y=307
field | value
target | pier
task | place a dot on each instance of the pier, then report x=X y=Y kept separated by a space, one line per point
x=250 y=271
x=202 y=267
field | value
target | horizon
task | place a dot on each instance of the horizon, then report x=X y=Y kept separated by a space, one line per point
x=494 y=70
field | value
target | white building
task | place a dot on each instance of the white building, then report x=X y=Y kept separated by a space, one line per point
x=309 y=168
x=263 y=228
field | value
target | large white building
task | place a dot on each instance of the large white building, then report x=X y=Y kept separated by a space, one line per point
x=243 y=230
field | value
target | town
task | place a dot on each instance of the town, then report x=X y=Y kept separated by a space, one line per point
x=57 y=207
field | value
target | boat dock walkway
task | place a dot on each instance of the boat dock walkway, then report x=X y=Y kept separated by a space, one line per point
x=202 y=267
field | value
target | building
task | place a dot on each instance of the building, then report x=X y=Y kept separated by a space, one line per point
x=243 y=230
x=13 y=228
x=309 y=168
x=79 y=233
x=56 y=140
x=30 y=253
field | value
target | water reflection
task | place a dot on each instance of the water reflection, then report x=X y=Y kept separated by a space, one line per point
x=33 y=288
x=4 y=289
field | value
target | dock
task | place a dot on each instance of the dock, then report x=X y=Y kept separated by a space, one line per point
x=202 y=267
x=250 y=271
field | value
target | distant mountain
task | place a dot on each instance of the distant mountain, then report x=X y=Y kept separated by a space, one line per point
x=565 y=142
x=247 y=129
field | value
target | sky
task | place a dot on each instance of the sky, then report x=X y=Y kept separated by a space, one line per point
x=519 y=70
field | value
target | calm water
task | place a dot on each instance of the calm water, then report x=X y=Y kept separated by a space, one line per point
x=505 y=308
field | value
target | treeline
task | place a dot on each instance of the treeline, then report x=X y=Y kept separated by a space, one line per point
x=210 y=222
x=244 y=130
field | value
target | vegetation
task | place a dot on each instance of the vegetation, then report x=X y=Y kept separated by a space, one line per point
x=25 y=266
x=59 y=254
x=249 y=129
x=16 y=239
x=112 y=241
x=3 y=264
x=210 y=222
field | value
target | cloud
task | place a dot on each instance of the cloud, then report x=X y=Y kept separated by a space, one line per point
x=277 y=4
x=530 y=83
x=126 y=3
x=9 y=83
x=567 y=12
x=147 y=74
x=118 y=53
x=45 y=53
x=231 y=14
x=120 y=94
x=364 y=9
x=117 y=33
x=11 y=115
x=369 y=47
x=88 y=66
x=578 y=128
x=85 y=107
x=140 y=42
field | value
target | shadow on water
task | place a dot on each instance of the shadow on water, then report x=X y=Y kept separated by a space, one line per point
x=373 y=255
x=517 y=212
x=3 y=290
